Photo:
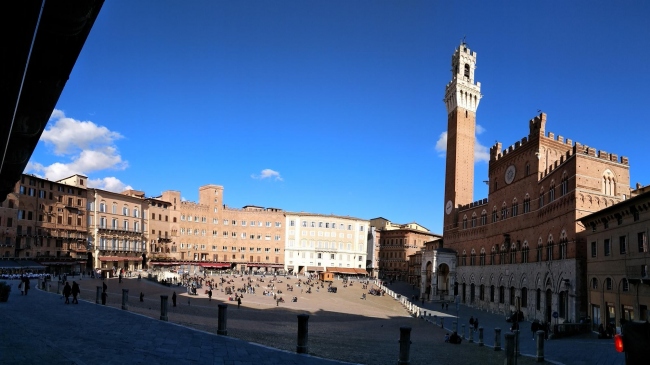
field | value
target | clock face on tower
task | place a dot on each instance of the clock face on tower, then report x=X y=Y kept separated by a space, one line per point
x=448 y=207
x=510 y=174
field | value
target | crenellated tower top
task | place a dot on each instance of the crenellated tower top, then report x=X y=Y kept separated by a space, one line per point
x=462 y=91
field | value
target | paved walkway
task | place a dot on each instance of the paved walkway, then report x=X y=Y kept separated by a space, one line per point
x=577 y=350
x=39 y=329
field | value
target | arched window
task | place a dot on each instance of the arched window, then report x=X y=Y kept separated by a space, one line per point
x=102 y=207
x=549 y=248
x=563 y=243
x=608 y=283
x=482 y=257
x=502 y=255
x=474 y=220
x=467 y=70
x=472 y=258
x=513 y=253
x=564 y=185
x=526 y=203
x=464 y=258
x=483 y=217
x=541 y=198
x=594 y=283
x=609 y=183
x=495 y=215
x=625 y=285
x=465 y=222
x=551 y=191
x=515 y=208
x=504 y=211
x=539 y=250
x=524 y=252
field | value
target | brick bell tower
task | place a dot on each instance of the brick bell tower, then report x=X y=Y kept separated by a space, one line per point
x=462 y=96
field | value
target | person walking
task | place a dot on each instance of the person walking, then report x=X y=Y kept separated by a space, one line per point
x=174 y=299
x=475 y=324
x=104 y=287
x=66 y=292
x=75 y=292
x=26 y=285
x=21 y=286
x=209 y=295
x=238 y=302
x=533 y=328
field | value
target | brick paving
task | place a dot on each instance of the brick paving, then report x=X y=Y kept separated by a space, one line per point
x=39 y=328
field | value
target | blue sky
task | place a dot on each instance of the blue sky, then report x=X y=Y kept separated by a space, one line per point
x=336 y=106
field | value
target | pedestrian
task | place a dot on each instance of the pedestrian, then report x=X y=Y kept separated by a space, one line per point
x=104 y=297
x=104 y=287
x=120 y=278
x=141 y=296
x=21 y=286
x=442 y=307
x=475 y=324
x=27 y=285
x=75 y=292
x=422 y=300
x=447 y=306
x=533 y=328
x=238 y=302
x=209 y=295
x=66 y=292
x=471 y=321
x=174 y=299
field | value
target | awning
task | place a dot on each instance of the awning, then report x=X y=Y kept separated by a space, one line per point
x=361 y=271
x=315 y=268
x=9 y=264
x=214 y=265
x=118 y=258
x=342 y=270
x=165 y=263
x=28 y=264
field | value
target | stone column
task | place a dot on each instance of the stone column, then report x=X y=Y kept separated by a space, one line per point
x=125 y=299
x=404 y=346
x=303 y=338
x=480 y=336
x=163 y=308
x=540 y=346
x=221 y=322
x=510 y=349
x=98 y=297
x=497 y=339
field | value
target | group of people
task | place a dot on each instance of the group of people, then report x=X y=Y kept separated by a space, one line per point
x=74 y=290
x=24 y=285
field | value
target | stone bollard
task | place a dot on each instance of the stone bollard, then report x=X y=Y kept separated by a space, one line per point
x=539 y=337
x=510 y=348
x=497 y=339
x=98 y=296
x=425 y=314
x=125 y=299
x=471 y=335
x=303 y=337
x=40 y=281
x=221 y=321
x=480 y=336
x=462 y=326
x=404 y=346
x=517 y=350
x=163 y=308
x=442 y=322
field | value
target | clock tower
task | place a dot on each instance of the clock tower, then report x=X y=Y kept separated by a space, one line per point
x=462 y=96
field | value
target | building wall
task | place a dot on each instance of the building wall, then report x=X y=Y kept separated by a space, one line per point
x=45 y=220
x=618 y=260
x=322 y=241
x=396 y=245
x=117 y=224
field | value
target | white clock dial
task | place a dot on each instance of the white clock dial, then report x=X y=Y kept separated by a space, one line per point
x=510 y=174
x=449 y=207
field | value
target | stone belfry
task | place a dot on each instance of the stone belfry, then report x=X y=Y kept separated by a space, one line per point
x=462 y=96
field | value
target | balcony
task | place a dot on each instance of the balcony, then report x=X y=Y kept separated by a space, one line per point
x=119 y=229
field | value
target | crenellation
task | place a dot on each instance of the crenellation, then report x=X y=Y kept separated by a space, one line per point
x=524 y=140
x=603 y=155
x=560 y=139
x=613 y=157
x=569 y=142
x=624 y=160
x=517 y=144
x=551 y=135
x=495 y=151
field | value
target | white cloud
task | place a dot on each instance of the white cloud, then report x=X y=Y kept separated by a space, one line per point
x=109 y=183
x=268 y=174
x=69 y=135
x=481 y=152
x=88 y=147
